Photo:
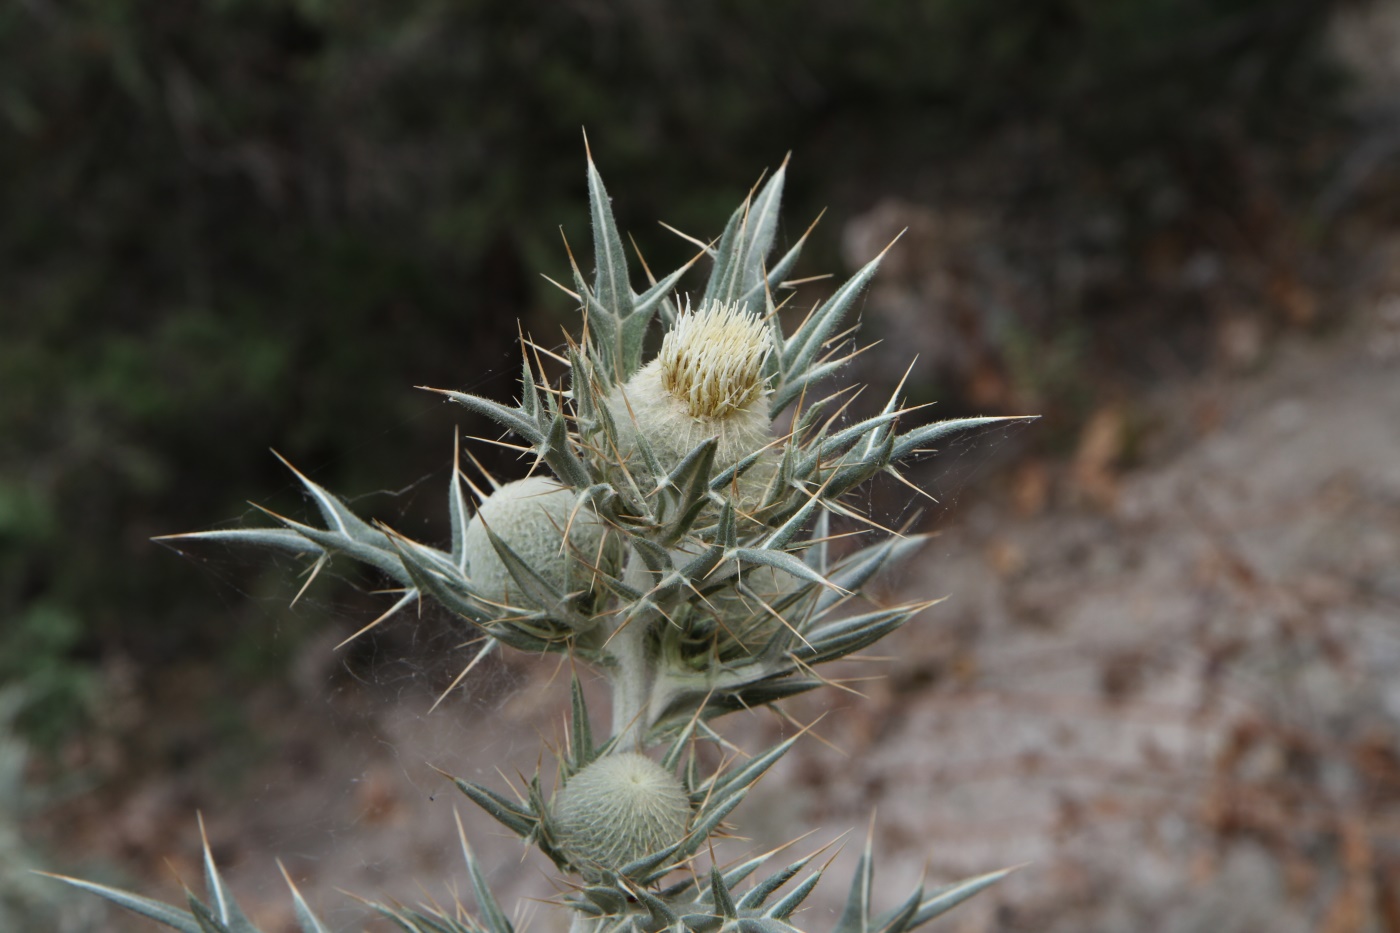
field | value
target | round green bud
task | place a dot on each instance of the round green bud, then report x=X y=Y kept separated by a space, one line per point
x=530 y=516
x=619 y=809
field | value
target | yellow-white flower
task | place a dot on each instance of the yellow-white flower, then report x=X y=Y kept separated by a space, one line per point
x=707 y=381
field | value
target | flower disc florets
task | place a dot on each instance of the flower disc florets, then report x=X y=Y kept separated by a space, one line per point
x=707 y=381
x=712 y=360
x=619 y=809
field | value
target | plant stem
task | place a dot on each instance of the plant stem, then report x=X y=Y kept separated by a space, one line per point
x=631 y=684
x=634 y=672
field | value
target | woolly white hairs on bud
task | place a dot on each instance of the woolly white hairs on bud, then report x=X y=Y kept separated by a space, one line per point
x=712 y=360
x=707 y=381
x=619 y=809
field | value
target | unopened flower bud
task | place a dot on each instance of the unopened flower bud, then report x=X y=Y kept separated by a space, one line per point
x=530 y=516
x=619 y=809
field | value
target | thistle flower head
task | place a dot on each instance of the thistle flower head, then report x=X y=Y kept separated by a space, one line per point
x=707 y=381
x=712 y=360
x=619 y=809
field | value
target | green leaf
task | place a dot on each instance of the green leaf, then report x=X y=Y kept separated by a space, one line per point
x=792 y=388
x=755 y=896
x=661 y=913
x=801 y=349
x=855 y=918
x=581 y=752
x=336 y=514
x=608 y=900
x=512 y=419
x=921 y=437
x=944 y=899
x=384 y=559
x=536 y=589
x=506 y=812
x=700 y=566
x=280 y=539
x=307 y=920
x=495 y=918
x=153 y=910
x=458 y=513
x=205 y=917
x=780 y=538
x=722 y=479
x=764 y=925
x=899 y=919
x=738 y=274
x=859 y=568
x=781 y=560
x=558 y=451
x=452 y=596
x=783 y=908
x=529 y=392
x=611 y=284
x=783 y=267
x=742 y=778
x=720 y=896
x=655 y=296
x=225 y=908
x=847 y=636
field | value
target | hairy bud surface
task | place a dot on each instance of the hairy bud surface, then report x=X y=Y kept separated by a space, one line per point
x=619 y=809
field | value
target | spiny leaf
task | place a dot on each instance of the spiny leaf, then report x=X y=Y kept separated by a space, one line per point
x=781 y=560
x=748 y=236
x=335 y=513
x=780 y=270
x=855 y=918
x=281 y=539
x=632 y=335
x=495 y=918
x=783 y=908
x=764 y=925
x=581 y=750
x=512 y=419
x=205 y=917
x=801 y=349
x=558 y=452
x=307 y=920
x=224 y=906
x=755 y=896
x=850 y=635
x=793 y=387
x=611 y=284
x=720 y=896
x=536 y=589
x=859 y=568
x=729 y=783
x=899 y=919
x=661 y=912
x=153 y=910
x=656 y=295
x=944 y=899
x=927 y=434
x=506 y=812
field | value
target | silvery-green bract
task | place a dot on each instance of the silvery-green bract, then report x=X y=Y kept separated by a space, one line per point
x=674 y=535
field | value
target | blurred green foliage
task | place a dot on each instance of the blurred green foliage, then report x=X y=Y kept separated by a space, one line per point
x=237 y=224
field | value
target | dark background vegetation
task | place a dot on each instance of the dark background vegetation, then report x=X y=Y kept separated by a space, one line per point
x=229 y=226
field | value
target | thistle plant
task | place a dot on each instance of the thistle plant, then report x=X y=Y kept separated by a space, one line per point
x=674 y=535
